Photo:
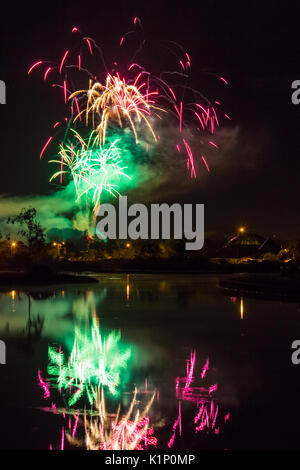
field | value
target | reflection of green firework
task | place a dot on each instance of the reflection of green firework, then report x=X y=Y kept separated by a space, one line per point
x=94 y=361
x=93 y=168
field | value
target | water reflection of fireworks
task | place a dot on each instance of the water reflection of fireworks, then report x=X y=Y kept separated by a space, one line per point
x=95 y=360
x=115 y=432
x=203 y=396
x=128 y=426
x=96 y=429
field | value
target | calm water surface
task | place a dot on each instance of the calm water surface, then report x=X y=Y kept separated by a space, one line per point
x=218 y=369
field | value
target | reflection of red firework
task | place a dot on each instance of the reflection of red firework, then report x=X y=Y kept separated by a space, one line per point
x=185 y=390
x=130 y=435
x=207 y=410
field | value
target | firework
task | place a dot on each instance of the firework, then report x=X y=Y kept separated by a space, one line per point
x=116 y=100
x=128 y=95
x=92 y=167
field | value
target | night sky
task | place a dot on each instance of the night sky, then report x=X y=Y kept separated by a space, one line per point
x=255 y=45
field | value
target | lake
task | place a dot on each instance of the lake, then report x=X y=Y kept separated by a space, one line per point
x=187 y=366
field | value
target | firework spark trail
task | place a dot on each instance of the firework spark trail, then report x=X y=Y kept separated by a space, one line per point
x=205 y=163
x=45 y=146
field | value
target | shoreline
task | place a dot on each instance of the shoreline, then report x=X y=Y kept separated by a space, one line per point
x=265 y=287
x=164 y=266
x=16 y=279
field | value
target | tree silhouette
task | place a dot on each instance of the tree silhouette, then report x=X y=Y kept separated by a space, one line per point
x=34 y=232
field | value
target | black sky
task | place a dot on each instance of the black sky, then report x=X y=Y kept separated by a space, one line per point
x=253 y=44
